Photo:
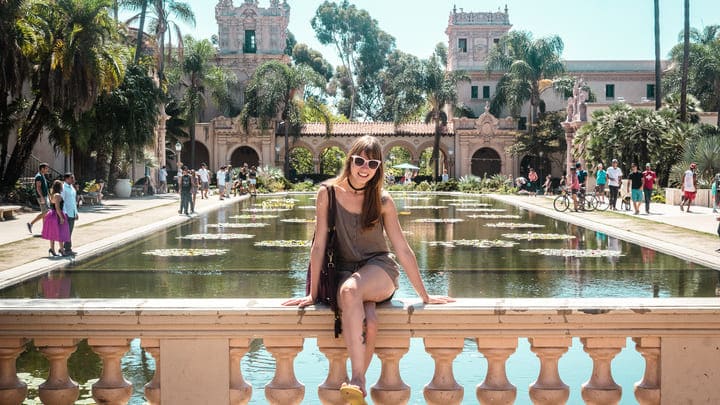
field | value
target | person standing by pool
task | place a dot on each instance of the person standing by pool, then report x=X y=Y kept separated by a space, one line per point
x=715 y=192
x=366 y=270
x=69 y=196
x=600 y=181
x=221 y=182
x=574 y=187
x=533 y=185
x=614 y=176
x=185 y=183
x=689 y=187
x=649 y=179
x=41 y=194
x=635 y=187
x=204 y=175
x=162 y=180
x=55 y=223
x=252 y=180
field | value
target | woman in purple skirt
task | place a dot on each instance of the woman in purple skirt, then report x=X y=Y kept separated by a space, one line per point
x=55 y=224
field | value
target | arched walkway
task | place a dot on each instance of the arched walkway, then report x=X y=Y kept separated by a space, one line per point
x=202 y=154
x=244 y=154
x=485 y=162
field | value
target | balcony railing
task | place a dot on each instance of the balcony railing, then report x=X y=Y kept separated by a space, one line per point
x=198 y=345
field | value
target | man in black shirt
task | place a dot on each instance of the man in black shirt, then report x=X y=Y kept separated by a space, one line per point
x=185 y=191
x=636 y=184
x=41 y=193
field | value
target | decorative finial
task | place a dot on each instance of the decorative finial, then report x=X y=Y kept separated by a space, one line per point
x=506 y=9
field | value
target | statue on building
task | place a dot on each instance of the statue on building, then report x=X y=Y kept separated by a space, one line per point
x=576 y=107
x=570 y=109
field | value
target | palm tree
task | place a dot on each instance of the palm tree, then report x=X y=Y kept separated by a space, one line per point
x=270 y=95
x=440 y=88
x=526 y=62
x=134 y=5
x=686 y=61
x=75 y=60
x=200 y=77
x=163 y=10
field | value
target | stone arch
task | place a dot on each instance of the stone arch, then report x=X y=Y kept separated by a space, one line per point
x=244 y=154
x=414 y=154
x=485 y=162
x=541 y=165
x=296 y=168
x=202 y=154
x=336 y=164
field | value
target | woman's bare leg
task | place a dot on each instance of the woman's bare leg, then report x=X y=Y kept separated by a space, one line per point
x=371 y=283
x=370 y=332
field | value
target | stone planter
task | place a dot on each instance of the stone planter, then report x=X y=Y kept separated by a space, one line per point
x=702 y=198
x=123 y=188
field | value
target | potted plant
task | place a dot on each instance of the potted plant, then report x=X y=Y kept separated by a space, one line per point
x=123 y=186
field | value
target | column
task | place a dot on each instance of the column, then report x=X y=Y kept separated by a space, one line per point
x=152 y=388
x=549 y=389
x=284 y=389
x=647 y=390
x=12 y=390
x=390 y=388
x=496 y=389
x=443 y=389
x=336 y=353
x=240 y=390
x=59 y=388
x=112 y=388
x=601 y=389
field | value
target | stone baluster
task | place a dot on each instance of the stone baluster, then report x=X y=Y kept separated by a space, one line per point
x=284 y=389
x=443 y=389
x=390 y=388
x=496 y=389
x=59 y=388
x=12 y=390
x=336 y=353
x=647 y=391
x=112 y=388
x=240 y=390
x=549 y=389
x=601 y=388
x=152 y=388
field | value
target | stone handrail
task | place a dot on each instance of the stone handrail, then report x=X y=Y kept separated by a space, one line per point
x=191 y=338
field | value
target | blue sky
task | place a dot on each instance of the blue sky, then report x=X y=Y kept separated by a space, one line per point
x=590 y=29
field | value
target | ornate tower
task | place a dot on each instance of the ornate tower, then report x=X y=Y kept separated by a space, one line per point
x=471 y=35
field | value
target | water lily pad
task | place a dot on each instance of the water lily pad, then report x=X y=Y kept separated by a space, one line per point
x=228 y=225
x=575 y=252
x=284 y=243
x=299 y=220
x=425 y=207
x=476 y=243
x=537 y=236
x=495 y=216
x=275 y=203
x=253 y=216
x=216 y=236
x=404 y=213
x=186 y=252
x=269 y=209
x=514 y=225
x=480 y=209
x=306 y=207
x=470 y=204
x=438 y=220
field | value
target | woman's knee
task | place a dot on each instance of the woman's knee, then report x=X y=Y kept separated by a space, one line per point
x=348 y=293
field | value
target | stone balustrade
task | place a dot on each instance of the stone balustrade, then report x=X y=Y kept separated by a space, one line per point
x=198 y=345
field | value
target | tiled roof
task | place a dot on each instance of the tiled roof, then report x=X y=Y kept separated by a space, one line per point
x=374 y=128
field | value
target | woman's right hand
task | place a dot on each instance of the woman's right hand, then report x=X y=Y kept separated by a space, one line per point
x=300 y=302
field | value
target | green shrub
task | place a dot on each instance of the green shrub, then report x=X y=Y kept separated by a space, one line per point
x=305 y=185
x=423 y=186
x=450 y=185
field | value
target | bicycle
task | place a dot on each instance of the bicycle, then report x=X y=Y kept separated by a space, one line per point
x=602 y=202
x=563 y=201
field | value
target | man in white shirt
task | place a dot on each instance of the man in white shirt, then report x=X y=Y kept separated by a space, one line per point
x=69 y=196
x=162 y=179
x=204 y=175
x=689 y=187
x=221 y=182
x=614 y=180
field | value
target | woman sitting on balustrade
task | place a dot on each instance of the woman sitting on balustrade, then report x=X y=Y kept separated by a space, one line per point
x=366 y=270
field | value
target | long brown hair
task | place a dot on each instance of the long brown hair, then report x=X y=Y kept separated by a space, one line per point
x=56 y=187
x=372 y=203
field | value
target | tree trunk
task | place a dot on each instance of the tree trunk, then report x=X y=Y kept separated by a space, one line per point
x=114 y=163
x=23 y=149
x=436 y=146
x=686 y=56
x=141 y=26
x=658 y=94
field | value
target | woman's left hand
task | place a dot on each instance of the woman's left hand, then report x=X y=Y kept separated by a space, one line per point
x=439 y=299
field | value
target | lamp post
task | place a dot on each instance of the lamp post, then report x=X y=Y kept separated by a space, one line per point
x=178 y=149
x=277 y=155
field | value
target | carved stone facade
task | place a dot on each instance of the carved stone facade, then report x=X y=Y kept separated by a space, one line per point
x=471 y=35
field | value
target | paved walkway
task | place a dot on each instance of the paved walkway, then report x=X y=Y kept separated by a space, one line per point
x=101 y=228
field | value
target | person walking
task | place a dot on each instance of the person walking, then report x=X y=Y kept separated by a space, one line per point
x=635 y=187
x=533 y=184
x=600 y=182
x=614 y=180
x=194 y=186
x=69 y=197
x=55 y=223
x=228 y=180
x=649 y=179
x=41 y=194
x=366 y=270
x=689 y=187
x=252 y=179
x=185 y=191
x=162 y=180
x=221 y=182
x=204 y=176
x=715 y=191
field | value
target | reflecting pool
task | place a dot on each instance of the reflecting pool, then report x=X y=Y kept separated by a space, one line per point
x=466 y=247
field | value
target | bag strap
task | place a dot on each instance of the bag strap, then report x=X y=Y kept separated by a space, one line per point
x=331 y=208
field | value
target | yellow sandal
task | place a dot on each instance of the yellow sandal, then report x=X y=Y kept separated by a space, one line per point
x=352 y=394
